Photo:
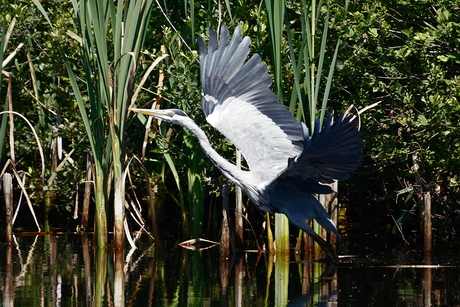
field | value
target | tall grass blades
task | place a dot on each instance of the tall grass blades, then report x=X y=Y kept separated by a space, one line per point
x=307 y=62
x=275 y=15
x=111 y=35
x=311 y=59
x=129 y=38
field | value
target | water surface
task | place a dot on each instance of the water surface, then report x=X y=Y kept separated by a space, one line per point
x=65 y=270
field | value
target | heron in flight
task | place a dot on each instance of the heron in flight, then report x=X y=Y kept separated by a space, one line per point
x=287 y=164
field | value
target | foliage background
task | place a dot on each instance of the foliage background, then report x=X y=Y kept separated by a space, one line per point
x=402 y=54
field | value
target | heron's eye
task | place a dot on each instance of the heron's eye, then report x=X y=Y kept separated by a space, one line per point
x=170 y=114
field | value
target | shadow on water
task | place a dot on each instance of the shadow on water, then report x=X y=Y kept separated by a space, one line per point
x=66 y=270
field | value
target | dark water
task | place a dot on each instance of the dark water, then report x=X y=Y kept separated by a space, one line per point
x=67 y=271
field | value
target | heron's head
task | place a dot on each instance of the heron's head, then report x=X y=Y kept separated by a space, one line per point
x=174 y=116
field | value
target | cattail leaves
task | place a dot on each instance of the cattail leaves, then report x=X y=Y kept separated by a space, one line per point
x=111 y=35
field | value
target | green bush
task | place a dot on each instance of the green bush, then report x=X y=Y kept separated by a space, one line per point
x=404 y=54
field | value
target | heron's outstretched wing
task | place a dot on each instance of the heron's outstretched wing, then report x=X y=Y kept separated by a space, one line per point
x=332 y=153
x=238 y=102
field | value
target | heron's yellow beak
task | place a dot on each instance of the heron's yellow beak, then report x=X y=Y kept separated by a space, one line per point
x=151 y=112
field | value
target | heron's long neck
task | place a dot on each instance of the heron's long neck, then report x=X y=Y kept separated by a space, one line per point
x=230 y=170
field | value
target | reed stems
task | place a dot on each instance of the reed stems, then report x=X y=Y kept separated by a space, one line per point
x=111 y=35
x=307 y=62
x=275 y=15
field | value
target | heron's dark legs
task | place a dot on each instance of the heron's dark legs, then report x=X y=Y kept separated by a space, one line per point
x=327 y=248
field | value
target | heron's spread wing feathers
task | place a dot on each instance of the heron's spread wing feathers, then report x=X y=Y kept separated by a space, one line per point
x=238 y=102
x=330 y=154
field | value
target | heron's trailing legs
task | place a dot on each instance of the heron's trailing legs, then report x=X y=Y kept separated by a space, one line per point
x=327 y=248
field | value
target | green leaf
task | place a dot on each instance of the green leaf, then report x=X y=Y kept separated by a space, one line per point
x=443 y=58
x=421 y=120
x=373 y=32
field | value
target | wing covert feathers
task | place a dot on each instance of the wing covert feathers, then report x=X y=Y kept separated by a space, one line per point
x=238 y=102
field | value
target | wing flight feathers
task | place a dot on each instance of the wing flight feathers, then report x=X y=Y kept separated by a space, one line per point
x=238 y=102
x=330 y=154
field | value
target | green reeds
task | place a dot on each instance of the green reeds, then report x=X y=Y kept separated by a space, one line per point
x=111 y=35
x=275 y=15
x=307 y=61
x=311 y=59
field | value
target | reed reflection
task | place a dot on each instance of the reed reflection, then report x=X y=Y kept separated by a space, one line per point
x=66 y=270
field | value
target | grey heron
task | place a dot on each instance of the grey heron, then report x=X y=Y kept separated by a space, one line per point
x=287 y=164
